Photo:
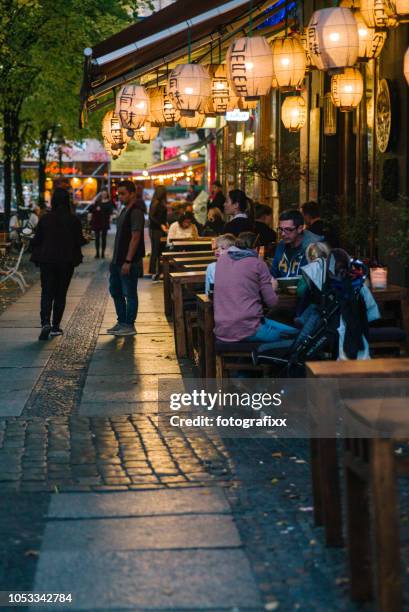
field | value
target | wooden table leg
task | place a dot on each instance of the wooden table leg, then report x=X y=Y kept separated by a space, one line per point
x=385 y=526
x=179 y=320
x=330 y=490
x=316 y=482
x=166 y=287
x=210 y=351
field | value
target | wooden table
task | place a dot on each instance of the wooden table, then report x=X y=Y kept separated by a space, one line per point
x=167 y=259
x=192 y=245
x=206 y=339
x=400 y=296
x=324 y=459
x=179 y=282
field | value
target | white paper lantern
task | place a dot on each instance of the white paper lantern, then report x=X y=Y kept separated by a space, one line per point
x=347 y=89
x=113 y=132
x=247 y=105
x=371 y=41
x=333 y=38
x=222 y=98
x=162 y=112
x=294 y=113
x=146 y=132
x=379 y=13
x=406 y=65
x=305 y=46
x=402 y=7
x=249 y=64
x=192 y=123
x=132 y=107
x=289 y=61
x=113 y=153
x=189 y=88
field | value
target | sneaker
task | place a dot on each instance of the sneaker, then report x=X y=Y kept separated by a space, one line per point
x=115 y=328
x=56 y=331
x=97 y=256
x=45 y=332
x=155 y=277
x=125 y=330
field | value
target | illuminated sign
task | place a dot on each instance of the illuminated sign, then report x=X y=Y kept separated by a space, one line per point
x=237 y=115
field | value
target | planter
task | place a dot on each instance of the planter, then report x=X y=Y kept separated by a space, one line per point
x=379 y=278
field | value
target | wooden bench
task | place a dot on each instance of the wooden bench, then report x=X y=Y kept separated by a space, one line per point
x=181 y=281
x=205 y=324
x=167 y=267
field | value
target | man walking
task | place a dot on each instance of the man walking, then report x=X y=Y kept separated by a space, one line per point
x=127 y=260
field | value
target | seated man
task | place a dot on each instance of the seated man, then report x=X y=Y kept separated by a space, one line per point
x=290 y=252
x=316 y=225
x=223 y=243
x=262 y=227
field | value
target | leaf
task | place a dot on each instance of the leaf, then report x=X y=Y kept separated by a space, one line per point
x=274 y=481
x=277 y=455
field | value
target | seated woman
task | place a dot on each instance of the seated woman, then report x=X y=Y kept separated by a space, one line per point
x=243 y=284
x=183 y=229
x=223 y=243
x=238 y=206
x=215 y=222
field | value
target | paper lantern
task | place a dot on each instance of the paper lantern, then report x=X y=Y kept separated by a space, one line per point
x=189 y=88
x=249 y=64
x=146 y=132
x=333 y=38
x=113 y=132
x=192 y=123
x=247 y=104
x=330 y=116
x=162 y=110
x=347 y=89
x=402 y=7
x=132 y=107
x=371 y=41
x=289 y=62
x=294 y=113
x=406 y=65
x=379 y=13
x=222 y=98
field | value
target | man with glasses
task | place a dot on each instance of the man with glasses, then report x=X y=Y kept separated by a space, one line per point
x=294 y=240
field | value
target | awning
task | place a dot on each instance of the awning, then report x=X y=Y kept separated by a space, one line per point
x=171 y=166
x=148 y=49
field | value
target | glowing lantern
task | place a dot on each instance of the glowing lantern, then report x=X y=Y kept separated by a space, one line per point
x=304 y=43
x=289 y=61
x=401 y=7
x=132 y=107
x=222 y=98
x=250 y=66
x=294 y=113
x=347 y=89
x=193 y=123
x=379 y=13
x=371 y=41
x=163 y=111
x=247 y=104
x=189 y=88
x=333 y=38
x=146 y=133
x=406 y=65
x=112 y=131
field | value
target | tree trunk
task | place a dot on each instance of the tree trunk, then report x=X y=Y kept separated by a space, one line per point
x=42 y=162
x=17 y=174
x=8 y=166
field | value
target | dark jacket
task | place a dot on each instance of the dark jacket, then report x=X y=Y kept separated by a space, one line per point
x=266 y=235
x=238 y=225
x=158 y=214
x=58 y=239
x=322 y=228
x=101 y=212
x=126 y=235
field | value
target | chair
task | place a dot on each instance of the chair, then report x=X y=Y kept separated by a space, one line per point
x=236 y=357
x=9 y=269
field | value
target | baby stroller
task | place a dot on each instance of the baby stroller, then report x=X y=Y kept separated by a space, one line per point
x=335 y=321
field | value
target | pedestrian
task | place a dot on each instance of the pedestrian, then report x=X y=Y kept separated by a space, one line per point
x=101 y=211
x=56 y=248
x=127 y=260
x=239 y=207
x=158 y=227
x=217 y=198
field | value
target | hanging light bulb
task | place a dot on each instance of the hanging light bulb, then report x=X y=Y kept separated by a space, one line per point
x=379 y=13
x=113 y=132
x=192 y=123
x=222 y=98
x=289 y=62
x=371 y=41
x=163 y=112
x=189 y=88
x=249 y=64
x=294 y=113
x=132 y=107
x=333 y=38
x=347 y=89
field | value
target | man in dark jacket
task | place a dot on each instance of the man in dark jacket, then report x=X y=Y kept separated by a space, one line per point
x=316 y=225
x=56 y=248
x=127 y=260
x=217 y=199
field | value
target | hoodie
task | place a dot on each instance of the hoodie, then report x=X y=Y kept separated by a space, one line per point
x=242 y=283
x=287 y=261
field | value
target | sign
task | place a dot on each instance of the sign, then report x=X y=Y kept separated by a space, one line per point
x=237 y=115
x=136 y=157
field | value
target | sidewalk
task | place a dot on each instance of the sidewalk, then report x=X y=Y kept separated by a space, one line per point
x=98 y=501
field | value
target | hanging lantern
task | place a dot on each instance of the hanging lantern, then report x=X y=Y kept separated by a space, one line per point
x=250 y=66
x=247 y=104
x=304 y=43
x=192 y=123
x=132 y=107
x=347 y=89
x=289 y=62
x=406 y=65
x=402 y=7
x=112 y=131
x=222 y=97
x=379 y=13
x=294 y=113
x=189 y=88
x=146 y=132
x=330 y=116
x=162 y=109
x=371 y=41
x=333 y=38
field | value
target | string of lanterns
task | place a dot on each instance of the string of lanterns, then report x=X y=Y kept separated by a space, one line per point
x=335 y=40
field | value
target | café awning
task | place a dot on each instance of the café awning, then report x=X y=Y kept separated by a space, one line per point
x=147 y=50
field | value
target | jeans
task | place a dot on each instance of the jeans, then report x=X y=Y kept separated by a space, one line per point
x=156 y=250
x=55 y=280
x=269 y=331
x=124 y=291
x=100 y=238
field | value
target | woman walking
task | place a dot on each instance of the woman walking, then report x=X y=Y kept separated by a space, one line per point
x=56 y=248
x=158 y=227
x=101 y=211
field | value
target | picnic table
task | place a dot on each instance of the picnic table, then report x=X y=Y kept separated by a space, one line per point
x=172 y=261
x=181 y=281
x=206 y=348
